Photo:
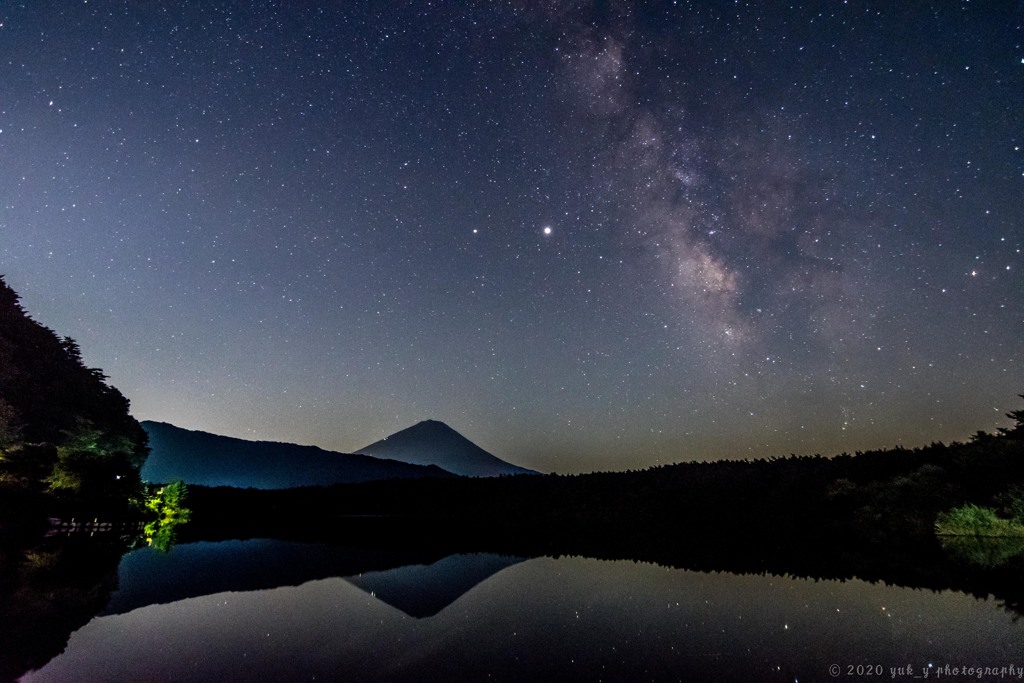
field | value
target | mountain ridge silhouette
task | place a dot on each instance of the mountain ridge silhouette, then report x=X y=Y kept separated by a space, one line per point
x=202 y=458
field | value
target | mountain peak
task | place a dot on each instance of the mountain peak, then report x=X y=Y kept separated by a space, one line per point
x=432 y=442
x=430 y=423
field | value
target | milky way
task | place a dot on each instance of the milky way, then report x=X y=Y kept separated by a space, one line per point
x=586 y=235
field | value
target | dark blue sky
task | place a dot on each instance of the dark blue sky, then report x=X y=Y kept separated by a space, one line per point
x=594 y=236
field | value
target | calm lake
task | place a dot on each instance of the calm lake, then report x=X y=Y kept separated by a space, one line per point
x=277 y=610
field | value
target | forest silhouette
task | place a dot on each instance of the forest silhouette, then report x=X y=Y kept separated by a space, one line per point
x=67 y=439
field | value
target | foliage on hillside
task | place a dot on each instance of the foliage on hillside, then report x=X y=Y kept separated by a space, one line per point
x=63 y=430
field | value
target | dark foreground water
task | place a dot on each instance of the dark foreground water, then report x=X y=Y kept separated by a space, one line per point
x=282 y=611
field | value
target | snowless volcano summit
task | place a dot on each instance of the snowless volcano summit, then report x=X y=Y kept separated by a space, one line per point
x=434 y=443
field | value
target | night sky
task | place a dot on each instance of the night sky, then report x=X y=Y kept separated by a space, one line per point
x=592 y=236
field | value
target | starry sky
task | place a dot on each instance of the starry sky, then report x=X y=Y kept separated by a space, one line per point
x=587 y=235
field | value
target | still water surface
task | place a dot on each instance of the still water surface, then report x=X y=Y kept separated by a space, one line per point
x=274 y=610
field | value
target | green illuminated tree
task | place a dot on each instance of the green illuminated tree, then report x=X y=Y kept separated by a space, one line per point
x=168 y=504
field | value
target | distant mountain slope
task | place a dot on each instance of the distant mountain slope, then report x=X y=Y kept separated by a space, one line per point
x=211 y=460
x=435 y=443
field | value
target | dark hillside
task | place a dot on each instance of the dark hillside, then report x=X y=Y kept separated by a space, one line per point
x=46 y=392
x=63 y=429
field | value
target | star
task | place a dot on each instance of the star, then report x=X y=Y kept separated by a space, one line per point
x=742 y=239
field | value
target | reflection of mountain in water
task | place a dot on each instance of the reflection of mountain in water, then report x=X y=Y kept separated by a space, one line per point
x=179 y=599
x=420 y=585
x=548 y=620
x=424 y=590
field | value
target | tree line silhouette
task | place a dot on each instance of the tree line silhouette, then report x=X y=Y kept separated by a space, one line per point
x=66 y=436
x=880 y=495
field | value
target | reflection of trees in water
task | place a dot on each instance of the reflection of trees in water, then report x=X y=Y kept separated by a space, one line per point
x=984 y=551
x=49 y=587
